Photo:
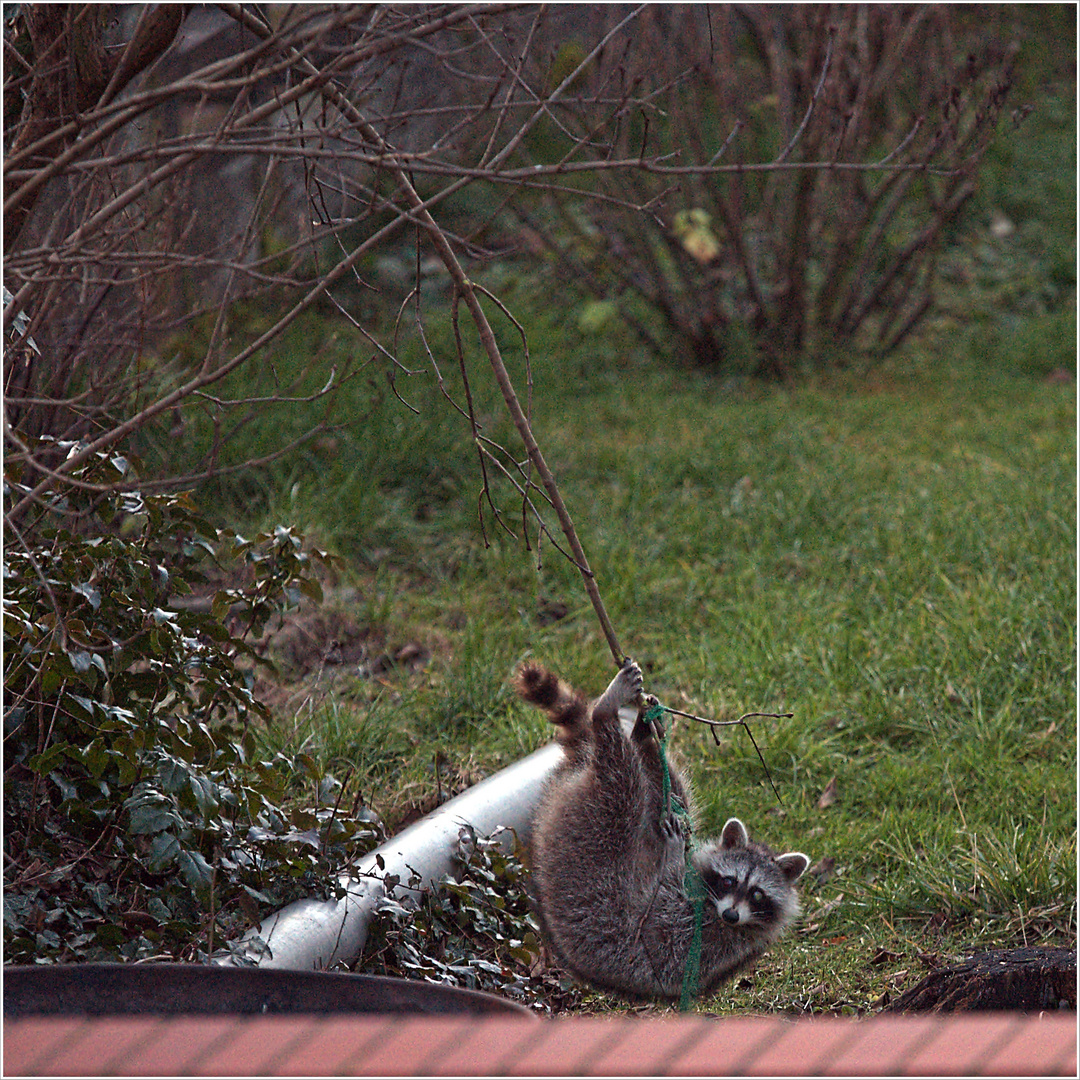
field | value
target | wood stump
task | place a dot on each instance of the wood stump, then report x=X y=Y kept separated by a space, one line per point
x=1024 y=980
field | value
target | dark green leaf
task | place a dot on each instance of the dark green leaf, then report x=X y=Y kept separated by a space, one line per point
x=151 y=818
x=206 y=796
x=195 y=870
x=175 y=775
x=311 y=589
x=90 y=594
x=164 y=850
x=45 y=762
x=96 y=758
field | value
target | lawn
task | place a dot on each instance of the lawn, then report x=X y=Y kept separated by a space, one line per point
x=889 y=557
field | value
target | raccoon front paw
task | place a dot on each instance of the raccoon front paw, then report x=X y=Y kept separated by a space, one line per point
x=651 y=703
x=672 y=828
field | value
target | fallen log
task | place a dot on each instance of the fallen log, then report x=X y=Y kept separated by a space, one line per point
x=1024 y=980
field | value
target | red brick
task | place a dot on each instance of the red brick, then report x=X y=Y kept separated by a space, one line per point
x=880 y=1046
x=481 y=1049
x=803 y=1047
x=30 y=1045
x=646 y=1047
x=333 y=1046
x=566 y=1047
x=92 y=1044
x=181 y=1044
x=403 y=1043
x=255 y=1046
x=990 y=1044
x=728 y=1047
x=962 y=1043
x=1043 y=1045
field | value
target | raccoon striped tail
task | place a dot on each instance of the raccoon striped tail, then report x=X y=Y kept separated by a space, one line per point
x=566 y=708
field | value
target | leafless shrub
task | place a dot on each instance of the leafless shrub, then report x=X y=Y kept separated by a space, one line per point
x=167 y=163
x=800 y=167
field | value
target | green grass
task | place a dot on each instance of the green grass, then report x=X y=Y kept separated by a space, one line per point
x=892 y=562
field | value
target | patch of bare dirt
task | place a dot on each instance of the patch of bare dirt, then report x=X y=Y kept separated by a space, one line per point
x=325 y=647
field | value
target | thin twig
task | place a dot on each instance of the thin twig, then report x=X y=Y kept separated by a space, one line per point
x=741 y=722
x=727 y=142
x=813 y=100
x=727 y=723
x=900 y=147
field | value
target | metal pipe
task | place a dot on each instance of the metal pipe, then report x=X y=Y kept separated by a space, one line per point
x=315 y=934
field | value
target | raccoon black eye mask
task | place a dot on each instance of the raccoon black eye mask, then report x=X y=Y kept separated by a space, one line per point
x=611 y=878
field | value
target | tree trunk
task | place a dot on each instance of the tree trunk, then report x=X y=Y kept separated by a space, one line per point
x=72 y=72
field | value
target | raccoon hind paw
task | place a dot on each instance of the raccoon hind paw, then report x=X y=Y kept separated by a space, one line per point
x=625 y=688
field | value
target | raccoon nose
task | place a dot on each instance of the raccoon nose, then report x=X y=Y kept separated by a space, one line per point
x=730 y=915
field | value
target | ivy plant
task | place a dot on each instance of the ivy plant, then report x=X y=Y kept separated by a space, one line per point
x=141 y=818
x=475 y=930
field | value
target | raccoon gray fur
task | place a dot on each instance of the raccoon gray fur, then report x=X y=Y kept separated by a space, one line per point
x=609 y=865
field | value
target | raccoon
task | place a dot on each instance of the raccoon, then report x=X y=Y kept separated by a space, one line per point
x=609 y=860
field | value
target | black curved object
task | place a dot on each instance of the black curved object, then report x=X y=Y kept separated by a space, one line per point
x=212 y=990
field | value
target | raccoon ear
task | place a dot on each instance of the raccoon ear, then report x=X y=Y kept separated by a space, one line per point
x=793 y=865
x=734 y=834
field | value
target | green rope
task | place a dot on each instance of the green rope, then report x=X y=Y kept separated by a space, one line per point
x=695 y=889
x=692 y=883
x=654 y=716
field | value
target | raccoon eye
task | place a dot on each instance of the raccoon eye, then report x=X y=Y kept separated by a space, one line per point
x=725 y=883
x=756 y=895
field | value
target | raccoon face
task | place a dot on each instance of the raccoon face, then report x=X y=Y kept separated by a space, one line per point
x=739 y=898
x=749 y=885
